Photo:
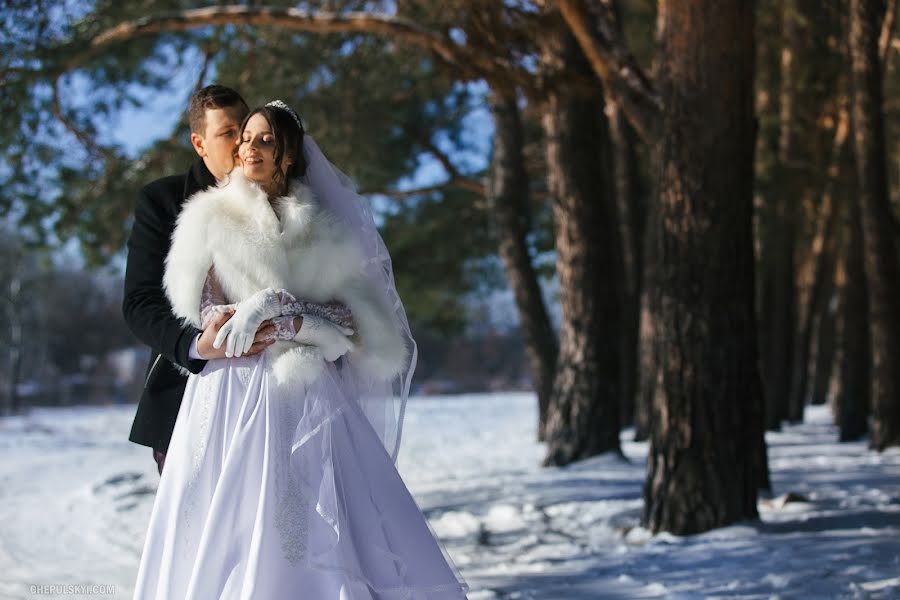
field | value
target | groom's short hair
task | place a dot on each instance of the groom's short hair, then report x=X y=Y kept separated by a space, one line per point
x=212 y=97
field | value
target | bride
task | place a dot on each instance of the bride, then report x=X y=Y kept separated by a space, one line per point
x=280 y=480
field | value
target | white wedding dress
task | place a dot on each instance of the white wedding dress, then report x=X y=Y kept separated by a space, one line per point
x=278 y=486
x=269 y=494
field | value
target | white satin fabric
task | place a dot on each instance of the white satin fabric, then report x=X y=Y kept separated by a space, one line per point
x=266 y=496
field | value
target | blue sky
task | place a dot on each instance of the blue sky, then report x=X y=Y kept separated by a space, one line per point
x=136 y=128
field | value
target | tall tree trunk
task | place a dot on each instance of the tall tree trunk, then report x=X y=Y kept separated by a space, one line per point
x=583 y=417
x=852 y=402
x=14 y=339
x=781 y=316
x=707 y=453
x=630 y=223
x=647 y=350
x=509 y=196
x=817 y=299
x=825 y=346
x=882 y=265
x=631 y=217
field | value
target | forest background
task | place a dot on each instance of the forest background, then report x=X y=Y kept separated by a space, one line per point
x=676 y=216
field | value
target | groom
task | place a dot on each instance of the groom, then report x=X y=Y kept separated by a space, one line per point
x=215 y=117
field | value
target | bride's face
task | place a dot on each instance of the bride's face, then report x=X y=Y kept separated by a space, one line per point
x=257 y=151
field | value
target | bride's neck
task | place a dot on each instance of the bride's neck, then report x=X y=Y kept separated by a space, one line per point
x=272 y=190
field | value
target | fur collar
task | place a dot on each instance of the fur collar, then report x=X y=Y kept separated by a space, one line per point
x=289 y=243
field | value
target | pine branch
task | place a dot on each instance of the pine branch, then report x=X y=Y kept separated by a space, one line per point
x=428 y=189
x=464 y=58
x=208 y=55
x=457 y=179
x=594 y=26
x=85 y=138
x=403 y=194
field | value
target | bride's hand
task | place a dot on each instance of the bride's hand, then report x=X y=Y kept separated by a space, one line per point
x=207 y=351
x=238 y=333
x=332 y=339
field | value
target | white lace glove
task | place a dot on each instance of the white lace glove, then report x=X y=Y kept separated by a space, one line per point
x=241 y=328
x=333 y=340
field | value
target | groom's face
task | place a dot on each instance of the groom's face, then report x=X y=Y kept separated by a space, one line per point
x=218 y=144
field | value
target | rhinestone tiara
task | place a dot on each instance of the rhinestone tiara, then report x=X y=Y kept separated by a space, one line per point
x=283 y=106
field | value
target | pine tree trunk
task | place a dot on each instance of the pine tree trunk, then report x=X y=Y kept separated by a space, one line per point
x=852 y=403
x=816 y=303
x=819 y=328
x=509 y=195
x=647 y=349
x=825 y=344
x=707 y=454
x=813 y=312
x=802 y=22
x=631 y=214
x=583 y=416
x=882 y=265
x=14 y=338
x=779 y=301
x=630 y=223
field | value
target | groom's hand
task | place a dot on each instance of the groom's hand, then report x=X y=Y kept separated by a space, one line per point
x=205 y=344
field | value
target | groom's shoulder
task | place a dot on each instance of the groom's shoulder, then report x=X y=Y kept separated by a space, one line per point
x=166 y=189
x=166 y=195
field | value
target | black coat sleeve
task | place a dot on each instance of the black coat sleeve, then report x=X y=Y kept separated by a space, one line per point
x=145 y=307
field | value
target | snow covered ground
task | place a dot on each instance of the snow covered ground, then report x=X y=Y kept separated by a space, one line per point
x=75 y=498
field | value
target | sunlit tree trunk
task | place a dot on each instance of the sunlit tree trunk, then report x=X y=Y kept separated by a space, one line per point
x=510 y=209
x=583 y=416
x=881 y=261
x=630 y=216
x=707 y=453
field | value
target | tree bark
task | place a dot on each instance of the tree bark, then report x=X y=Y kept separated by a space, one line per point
x=510 y=203
x=14 y=339
x=852 y=402
x=825 y=344
x=648 y=357
x=882 y=265
x=780 y=315
x=823 y=252
x=595 y=26
x=631 y=217
x=583 y=417
x=630 y=222
x=707 y=452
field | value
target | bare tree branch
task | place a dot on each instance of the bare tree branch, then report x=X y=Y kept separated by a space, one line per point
x=409 y=32
x=85 y=138
x=404 y=194
x=208 y=54
x=456 y=178
x=622 y=77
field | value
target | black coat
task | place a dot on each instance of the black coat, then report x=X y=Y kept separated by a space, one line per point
x=147 y=310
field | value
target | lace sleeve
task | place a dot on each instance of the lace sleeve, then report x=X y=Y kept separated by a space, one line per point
x=214 y=302
x=333 y=311
x=212 y=299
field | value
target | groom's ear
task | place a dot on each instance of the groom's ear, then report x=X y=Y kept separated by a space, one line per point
x=199 y=144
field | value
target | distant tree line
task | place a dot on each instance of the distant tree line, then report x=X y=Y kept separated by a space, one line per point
x=57 y=325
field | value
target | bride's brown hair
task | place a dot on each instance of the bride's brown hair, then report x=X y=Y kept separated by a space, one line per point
x=288 y=136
